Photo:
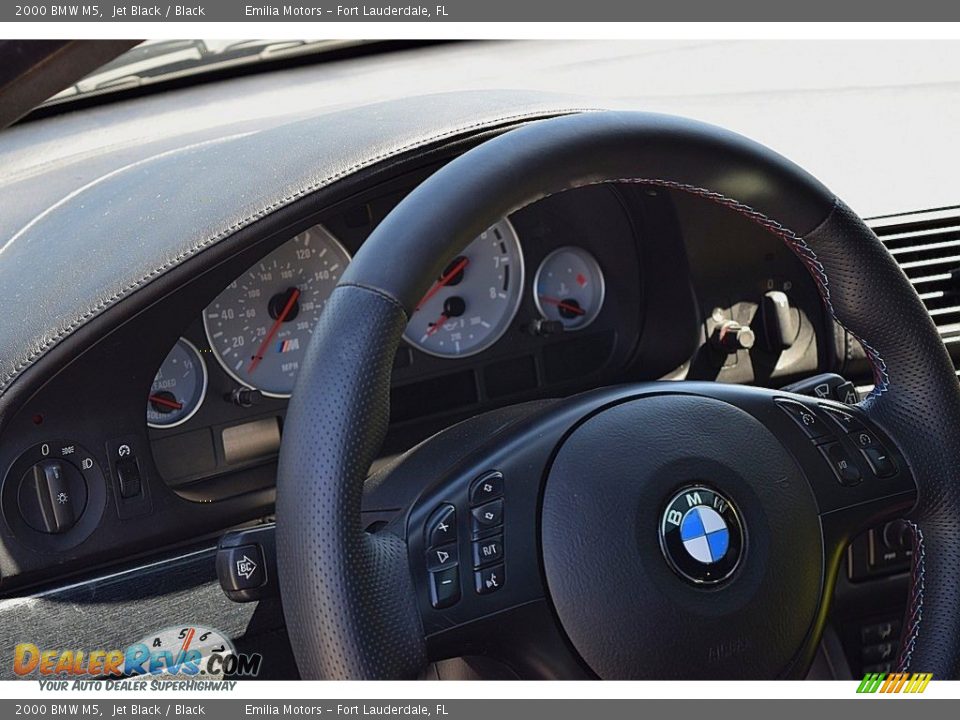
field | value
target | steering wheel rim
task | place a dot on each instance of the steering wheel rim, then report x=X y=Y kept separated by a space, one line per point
x=348 y=596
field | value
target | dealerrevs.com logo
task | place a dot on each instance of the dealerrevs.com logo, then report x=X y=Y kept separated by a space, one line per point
x=912 y=683
x=186 y=652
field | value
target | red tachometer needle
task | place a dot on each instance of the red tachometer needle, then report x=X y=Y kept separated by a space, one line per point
x=564 y=305
x=273 y=330
x=444 y=279
x=158 y=400
x=437 y=325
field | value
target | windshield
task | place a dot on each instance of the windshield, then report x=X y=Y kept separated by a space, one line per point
x=161 y=60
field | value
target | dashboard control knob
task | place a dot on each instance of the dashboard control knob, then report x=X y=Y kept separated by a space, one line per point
x=781 y=323
x=896 y=535
x=731 y=336
x=52 y=496
x=244 y=397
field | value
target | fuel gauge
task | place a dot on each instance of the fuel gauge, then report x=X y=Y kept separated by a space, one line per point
x=569 y=287
x=178 y=387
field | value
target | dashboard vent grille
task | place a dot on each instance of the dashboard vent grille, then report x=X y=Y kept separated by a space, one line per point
x=927 y=247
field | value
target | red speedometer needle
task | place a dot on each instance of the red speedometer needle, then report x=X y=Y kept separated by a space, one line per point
x=158 y=400
x=444 y=279
x=261 y=351
x=564 y=305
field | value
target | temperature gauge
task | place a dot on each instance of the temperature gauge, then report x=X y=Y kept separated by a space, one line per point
x=178 y=388
x=569 y=287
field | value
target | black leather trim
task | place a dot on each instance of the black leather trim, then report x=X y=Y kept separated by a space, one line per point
x=917 y=402
x=348 y=596
x=161 y=209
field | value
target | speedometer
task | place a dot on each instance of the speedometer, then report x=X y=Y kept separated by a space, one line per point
x=475 y=298
x=260 y=325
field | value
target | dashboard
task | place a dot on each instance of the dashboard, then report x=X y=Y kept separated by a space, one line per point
x=187 y=398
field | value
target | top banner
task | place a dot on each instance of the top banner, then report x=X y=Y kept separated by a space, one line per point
x=488 y=11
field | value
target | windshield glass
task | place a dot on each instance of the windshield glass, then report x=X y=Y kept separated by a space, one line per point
x=160 y=60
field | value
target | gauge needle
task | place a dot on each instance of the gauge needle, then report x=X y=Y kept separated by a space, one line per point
x=157 y=400
x=436 y=326
x=565 y=305
x=444 y=279
x=261 y=351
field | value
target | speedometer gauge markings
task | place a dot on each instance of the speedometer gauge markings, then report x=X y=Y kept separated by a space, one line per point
x=474 y=299
x=260 y=325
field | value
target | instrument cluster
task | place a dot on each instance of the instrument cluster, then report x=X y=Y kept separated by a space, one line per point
x=524 y=307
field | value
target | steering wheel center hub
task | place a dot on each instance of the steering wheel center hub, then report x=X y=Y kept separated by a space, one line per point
x=681 y=539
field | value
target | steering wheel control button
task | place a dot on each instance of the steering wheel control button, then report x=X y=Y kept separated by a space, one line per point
x=442 y=557
x=843 y=420
x=52 y=496
x=445 y=587
x=701 y=535
x=842 y=463
x=442 y=526
x=489 y=580
x=487 y=516
x=488 y=551
x=241 y=568
x=847 y=393
x=880 y=461
x=812 y=425
x=880 y=632
x=488 y=487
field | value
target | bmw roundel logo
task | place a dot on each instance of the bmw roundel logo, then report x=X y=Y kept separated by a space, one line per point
x=701 y=535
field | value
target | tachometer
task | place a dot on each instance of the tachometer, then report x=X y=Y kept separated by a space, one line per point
x=178 y=387
x=475 y=298
x=260 y=325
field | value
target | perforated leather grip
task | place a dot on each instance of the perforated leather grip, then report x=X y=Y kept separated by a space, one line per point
x=342 y=592
x=917 y=401
x=347 y=595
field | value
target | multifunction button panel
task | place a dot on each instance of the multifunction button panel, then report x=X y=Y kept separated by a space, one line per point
x=852 y=450
x=483 y=525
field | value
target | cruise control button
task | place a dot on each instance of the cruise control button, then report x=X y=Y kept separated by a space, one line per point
x=488 y=516
x=442 y=526
x=445 y=587
x=488 y=551
x=443 y=556
x=864 y=439
x=489 y=579
x=488 y=487
x=842 y=463
x=843 y=420
x=880 y=461
x=804 y=417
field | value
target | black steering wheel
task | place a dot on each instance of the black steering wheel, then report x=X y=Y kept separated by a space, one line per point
x=657 y=530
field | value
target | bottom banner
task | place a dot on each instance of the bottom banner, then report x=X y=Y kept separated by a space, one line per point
x=615 y=709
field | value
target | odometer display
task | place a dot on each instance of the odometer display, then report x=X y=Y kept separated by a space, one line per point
x=260 y=325
x=475 y=298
